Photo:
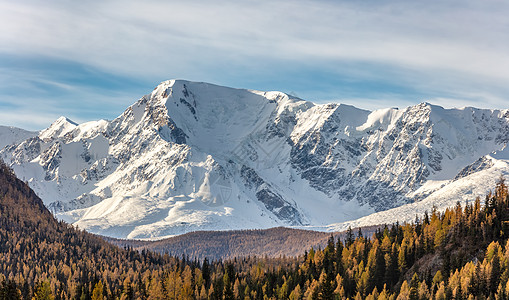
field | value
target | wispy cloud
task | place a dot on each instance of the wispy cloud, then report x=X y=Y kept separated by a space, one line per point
x=30 y=120
x=321 y=50
x=32 y=96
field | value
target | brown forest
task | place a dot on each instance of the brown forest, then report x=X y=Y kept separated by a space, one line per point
x=216 y=245
x=462 y=253
x=271 y=242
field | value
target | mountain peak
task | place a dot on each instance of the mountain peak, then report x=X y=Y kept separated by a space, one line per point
x=198 y=156
x=59 y=128
x=63 y=119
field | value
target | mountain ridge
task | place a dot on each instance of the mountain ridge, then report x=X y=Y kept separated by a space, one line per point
x=10 y=135
x=196 y=156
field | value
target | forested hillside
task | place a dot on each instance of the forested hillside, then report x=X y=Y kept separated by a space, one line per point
x=458 y=254
x=38 y=252
x=272 y=242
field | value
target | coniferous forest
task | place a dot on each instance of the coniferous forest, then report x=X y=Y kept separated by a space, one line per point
x=462 y=253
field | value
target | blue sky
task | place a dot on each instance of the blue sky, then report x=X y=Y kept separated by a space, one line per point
x=89 y=60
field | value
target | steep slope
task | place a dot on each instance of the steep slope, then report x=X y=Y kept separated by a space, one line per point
x=195 y=156
x=473 y=181
x=36 y=248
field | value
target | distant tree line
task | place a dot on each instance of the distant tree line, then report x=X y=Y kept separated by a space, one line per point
x=215 y=245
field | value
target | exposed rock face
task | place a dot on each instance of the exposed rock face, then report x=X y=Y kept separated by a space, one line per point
x=195 y=156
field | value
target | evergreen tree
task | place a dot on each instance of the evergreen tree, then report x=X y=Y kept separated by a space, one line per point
x=494 y=276
x=414 y=288
x=97 y=293
x=327 y=290
x=228 y=291
x=9 y=290
x=43 y=292
x=205 y=270
x=349 y=237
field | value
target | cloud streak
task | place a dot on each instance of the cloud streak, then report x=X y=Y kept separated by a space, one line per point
x=402 y=49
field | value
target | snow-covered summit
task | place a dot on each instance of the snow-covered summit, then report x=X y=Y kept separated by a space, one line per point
x=197 y=156
x=58 y=128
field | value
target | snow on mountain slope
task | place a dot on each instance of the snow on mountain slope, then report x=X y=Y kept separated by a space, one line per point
x=11 y=135
x=196 y=156
x=479 y=181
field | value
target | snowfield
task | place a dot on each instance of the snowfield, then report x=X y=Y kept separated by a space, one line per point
x=195 y=156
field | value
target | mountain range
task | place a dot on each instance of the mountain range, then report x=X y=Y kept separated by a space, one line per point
x=195 y=156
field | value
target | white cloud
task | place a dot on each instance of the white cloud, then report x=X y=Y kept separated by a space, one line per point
x=436 y=47
x=155 y=35
x=26 y=119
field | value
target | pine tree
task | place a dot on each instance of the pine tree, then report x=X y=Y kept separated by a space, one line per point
x=326 y=289
x=97 y=293
x=205 y=269
x=43 y=292
x=414 y=288
x=494 y=276
x=296 y=293
x=349 y=237
x=9 y=290
x=228 y=291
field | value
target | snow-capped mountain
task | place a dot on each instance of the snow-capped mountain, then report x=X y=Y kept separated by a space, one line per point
x=196 y=156
x=12 y=135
